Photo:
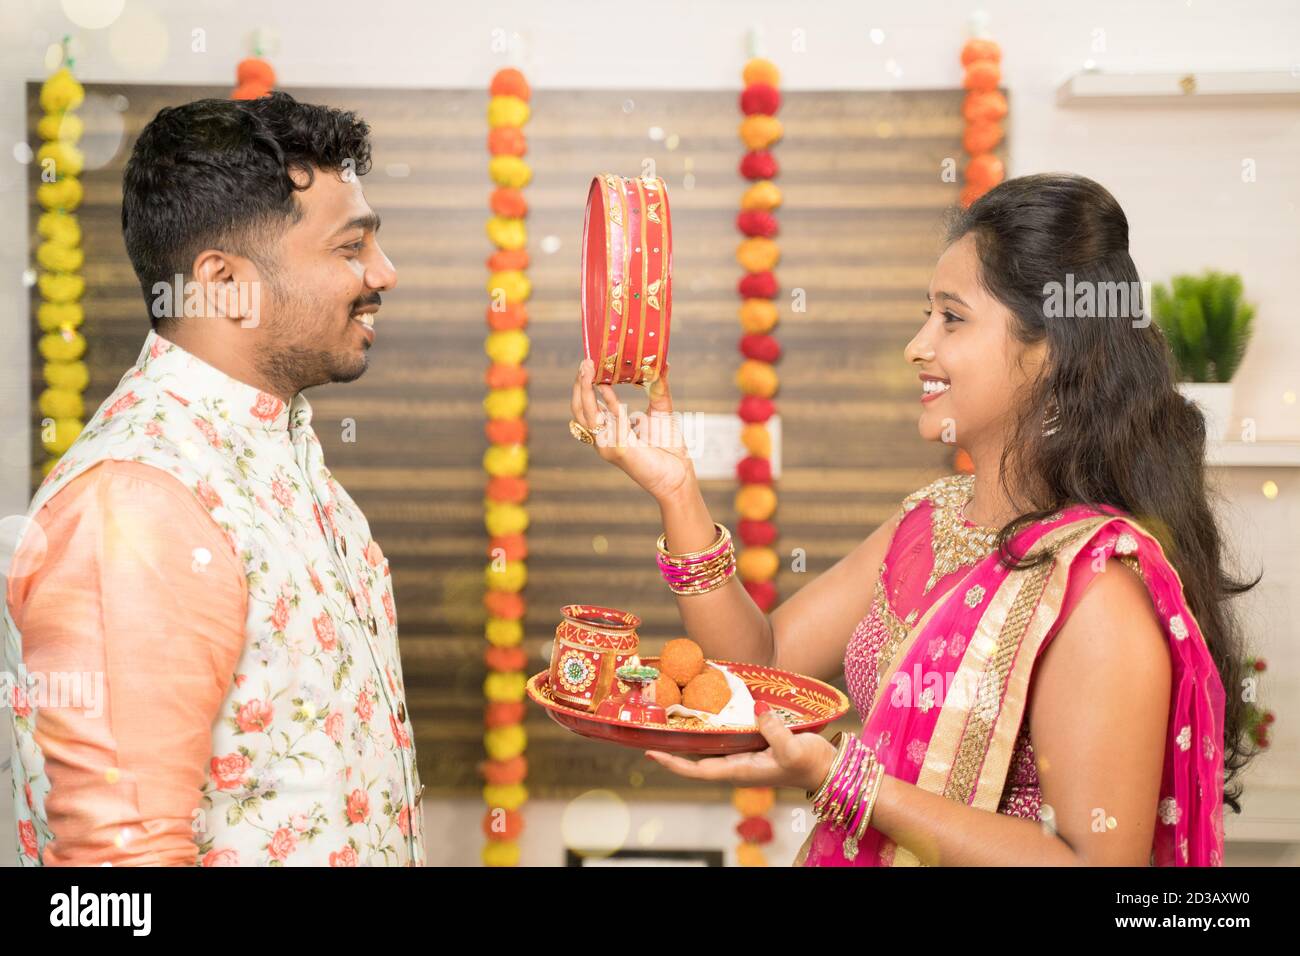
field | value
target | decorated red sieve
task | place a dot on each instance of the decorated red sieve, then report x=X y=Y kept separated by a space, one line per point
x=627 y=265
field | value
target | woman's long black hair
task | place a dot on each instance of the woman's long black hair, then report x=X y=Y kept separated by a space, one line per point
x=1123 y=436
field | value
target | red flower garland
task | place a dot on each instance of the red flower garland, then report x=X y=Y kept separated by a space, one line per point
x=759 y=164
x=758 y=285
x=757 y=379
x=756 y=222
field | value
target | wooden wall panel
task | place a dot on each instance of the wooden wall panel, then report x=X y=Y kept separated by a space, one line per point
x=860 y=230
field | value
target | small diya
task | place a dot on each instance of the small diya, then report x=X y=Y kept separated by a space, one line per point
x=632 y=707
x=591 y=644
x=627 y=265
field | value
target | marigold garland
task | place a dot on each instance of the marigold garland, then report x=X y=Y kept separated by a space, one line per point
x=757 y=563
x=506 y=462
x=60 y=257
x=254 y=78
x=983 y=109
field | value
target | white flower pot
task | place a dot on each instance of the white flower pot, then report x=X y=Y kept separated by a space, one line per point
x=1215 y=402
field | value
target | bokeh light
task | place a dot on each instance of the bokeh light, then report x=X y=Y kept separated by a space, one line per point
x=105 y=129
x=596 y=823
x=138 y=42
x=93 y=14
x=649 y=832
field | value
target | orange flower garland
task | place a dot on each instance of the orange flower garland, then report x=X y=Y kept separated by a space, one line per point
x=757 y=562
x=506 y=462
x=983 y=109
x=254 y=78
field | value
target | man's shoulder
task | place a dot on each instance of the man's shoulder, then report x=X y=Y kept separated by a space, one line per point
x=106 y=481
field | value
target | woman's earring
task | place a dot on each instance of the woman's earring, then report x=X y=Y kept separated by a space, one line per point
x=1051 y=421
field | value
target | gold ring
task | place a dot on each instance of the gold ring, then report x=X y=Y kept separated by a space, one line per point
x=597 y=430
x=580 y=432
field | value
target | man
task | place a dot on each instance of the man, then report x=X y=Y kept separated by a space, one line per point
x=202 y=574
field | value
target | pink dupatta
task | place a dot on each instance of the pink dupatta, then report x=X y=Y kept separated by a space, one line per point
x=954 y=734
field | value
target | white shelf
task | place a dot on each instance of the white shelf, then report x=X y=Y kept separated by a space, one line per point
x=1253 y=454
x=1269 y=815
x=1101 y=88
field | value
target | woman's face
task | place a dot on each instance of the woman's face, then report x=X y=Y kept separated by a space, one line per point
x=971 y=368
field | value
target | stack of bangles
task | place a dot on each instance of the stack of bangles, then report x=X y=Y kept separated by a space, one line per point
x=699 y=572
x=847 y=796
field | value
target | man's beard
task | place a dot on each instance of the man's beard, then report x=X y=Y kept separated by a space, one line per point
x=293 y=367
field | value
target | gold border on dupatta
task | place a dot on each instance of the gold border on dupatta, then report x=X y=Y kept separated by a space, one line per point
x=900 y=649
x=999 y=656
x=995 y=762
x=900 y=652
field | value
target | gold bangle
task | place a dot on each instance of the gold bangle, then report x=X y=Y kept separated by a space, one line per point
x=853 y=792
x=839 y=741
x=871 y=805
x=705 y=571
x=703 y=577
x=870 y=789
x=705 y=588
x=712 y=566
x=832 y=802
x=662 y=545
x=685 y=557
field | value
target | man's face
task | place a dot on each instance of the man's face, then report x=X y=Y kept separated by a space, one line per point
x=321 y=295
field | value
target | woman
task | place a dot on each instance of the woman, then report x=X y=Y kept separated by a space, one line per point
x=1039 y=652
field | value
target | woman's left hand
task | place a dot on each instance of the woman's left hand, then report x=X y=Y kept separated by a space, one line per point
x=791 y=760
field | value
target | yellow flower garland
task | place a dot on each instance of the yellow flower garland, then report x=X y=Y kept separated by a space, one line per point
x=60 y=257
x=506 y=462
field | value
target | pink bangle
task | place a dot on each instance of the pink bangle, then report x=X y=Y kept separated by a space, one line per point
x=872 y=774
x=839 y=784
x=699 y=572
x=852 y=786
x=689 y=565
x=837 y=779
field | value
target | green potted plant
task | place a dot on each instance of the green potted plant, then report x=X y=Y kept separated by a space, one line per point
x=1207 y=326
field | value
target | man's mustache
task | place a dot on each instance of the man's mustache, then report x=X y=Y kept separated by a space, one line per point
x=365 y=300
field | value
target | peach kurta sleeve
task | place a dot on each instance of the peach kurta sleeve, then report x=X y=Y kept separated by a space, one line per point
x=141 y=595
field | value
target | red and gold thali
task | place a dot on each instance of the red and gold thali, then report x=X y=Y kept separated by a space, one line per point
x=804 y=703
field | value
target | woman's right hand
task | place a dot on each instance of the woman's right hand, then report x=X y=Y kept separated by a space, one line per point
x=649 y=447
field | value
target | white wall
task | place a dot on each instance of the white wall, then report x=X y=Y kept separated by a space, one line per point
x=1176 y=171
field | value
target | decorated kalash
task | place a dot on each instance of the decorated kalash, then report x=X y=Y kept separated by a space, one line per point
x=598 y=684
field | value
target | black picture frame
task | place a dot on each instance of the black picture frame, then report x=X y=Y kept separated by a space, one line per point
x=642 y=857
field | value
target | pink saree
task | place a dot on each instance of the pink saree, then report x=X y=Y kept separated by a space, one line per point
x=945 y=688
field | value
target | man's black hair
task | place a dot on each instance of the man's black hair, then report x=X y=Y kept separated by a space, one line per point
x=215 y=174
